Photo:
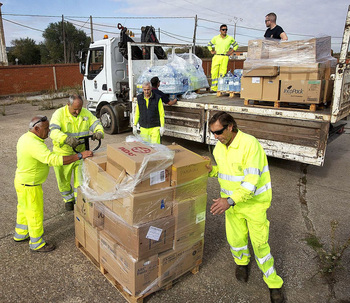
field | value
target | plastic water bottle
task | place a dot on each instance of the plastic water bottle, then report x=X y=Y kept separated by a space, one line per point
x=221 y=84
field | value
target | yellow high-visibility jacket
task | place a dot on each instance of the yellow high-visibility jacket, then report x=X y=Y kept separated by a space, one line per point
x=64 y=124
x=243 y=172
x=34 y=159
x=222 y=45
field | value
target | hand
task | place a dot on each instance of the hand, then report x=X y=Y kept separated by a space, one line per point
x=208 y=166
x=220 y=206
x=97 y=136
x=134 y=130
x=213 y=52
x=162 y=130
x=87 y=153
x=72 y=141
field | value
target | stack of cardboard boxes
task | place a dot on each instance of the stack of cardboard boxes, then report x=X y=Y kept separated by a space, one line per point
x=289 y=71
x=144 y=220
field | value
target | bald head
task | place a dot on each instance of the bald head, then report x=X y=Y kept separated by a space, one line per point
x=39 y=125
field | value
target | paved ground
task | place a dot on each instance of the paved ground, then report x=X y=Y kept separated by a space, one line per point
x=305 y=200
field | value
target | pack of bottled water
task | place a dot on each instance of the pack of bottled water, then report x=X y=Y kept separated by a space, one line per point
x=231 y=82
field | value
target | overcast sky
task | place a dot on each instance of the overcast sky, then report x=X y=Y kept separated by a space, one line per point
x=300 y=19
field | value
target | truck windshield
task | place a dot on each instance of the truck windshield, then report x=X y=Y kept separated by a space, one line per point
x=95 y=62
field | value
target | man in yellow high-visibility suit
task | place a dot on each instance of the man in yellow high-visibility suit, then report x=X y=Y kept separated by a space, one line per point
x=149 y=113
x=68 y=123
x=33 y=161
x=224 y=46
x=243 y=173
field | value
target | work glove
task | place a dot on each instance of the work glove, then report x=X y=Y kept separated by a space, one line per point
x=72 y=142
x=97 y=136
x=134 y=130
x=162 y=130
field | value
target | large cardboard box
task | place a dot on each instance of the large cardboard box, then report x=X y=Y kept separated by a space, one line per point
x=95 y=163
x=138 y=277
x=130 y=156
x=191 y=189
x=174 y=263
x=141 y=208
x=312 y=71
x=189 y=221
x=79 y=226
x=259 y=49
x=187 y=165
x=92 y=212
x=144 y=240
x=252 y=88
x=302 y=91
x=259 y=70
x=271 y=88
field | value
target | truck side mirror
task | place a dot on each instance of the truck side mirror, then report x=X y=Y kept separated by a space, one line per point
x=82 y=67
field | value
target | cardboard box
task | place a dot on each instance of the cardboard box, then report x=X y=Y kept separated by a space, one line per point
x=144 y=240
x=130 y=156
x=136 y=277
x=79 y=226
x=259 y=49
x=302 y=91
x=174 y=263
x=92 y=240
x=187 y=165
x=92 y=212
x=251 y=88
x=95 y=163
x=271 y=89
x=191 y=189
x=312 y=71
x=189 y=221
x=258 y=70
x=141 y=208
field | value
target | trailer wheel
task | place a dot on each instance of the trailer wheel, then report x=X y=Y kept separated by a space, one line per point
x=108 y=120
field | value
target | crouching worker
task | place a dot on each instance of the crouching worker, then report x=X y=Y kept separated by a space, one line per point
x=149 y=114
x=33 y=161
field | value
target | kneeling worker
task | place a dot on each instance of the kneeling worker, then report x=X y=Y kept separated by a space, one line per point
x=33 y=161
x=149 y=114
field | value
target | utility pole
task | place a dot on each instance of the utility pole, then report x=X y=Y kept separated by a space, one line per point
x=159 y=34
x=64 y=41
x=92 y=30
x=235 y=20
x=3 y=54
x=194 y=35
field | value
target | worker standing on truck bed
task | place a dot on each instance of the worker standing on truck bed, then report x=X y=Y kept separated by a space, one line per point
x=68 y=123
x=33 y=161
x=155 y=89
x=273 y=30
x=149 y=113
x=244 y=177
x=222 y=44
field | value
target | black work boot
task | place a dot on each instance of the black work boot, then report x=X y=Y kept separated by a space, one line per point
x=69 y=206
x=46 y=248
x=276 y=295
x=242 y=273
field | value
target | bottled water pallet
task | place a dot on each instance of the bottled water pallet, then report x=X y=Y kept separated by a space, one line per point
x=129 y=298
x=281 y=104
x=221 y=93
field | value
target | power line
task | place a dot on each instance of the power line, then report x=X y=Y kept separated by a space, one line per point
x=39 y=30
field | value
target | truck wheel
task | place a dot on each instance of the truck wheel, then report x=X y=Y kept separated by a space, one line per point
x=108 y=120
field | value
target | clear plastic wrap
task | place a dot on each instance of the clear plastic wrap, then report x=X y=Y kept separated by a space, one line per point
x=270 y=54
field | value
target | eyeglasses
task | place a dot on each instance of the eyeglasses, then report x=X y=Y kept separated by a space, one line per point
x=43 y=119
x=220 y=131
x=267 y=21
x=224 y=29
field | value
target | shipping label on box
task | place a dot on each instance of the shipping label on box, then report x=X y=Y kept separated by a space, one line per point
x=302 y=91
x=138 y=277
x=175 y=263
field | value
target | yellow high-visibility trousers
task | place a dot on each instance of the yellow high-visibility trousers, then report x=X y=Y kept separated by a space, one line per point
x=151 y=135
x=64 y=176
x=218 y=69
x=237 y=226
x=30 y=215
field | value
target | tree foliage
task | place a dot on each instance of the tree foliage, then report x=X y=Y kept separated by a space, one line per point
x=52 y=49
x=25 y=50
x=201 y=51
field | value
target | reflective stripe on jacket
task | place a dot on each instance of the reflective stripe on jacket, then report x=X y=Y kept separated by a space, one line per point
x=243 y=171
x=222 y=45
x=34 y=159
x=64 y=124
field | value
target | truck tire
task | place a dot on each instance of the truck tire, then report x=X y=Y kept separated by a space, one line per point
x=108 y=120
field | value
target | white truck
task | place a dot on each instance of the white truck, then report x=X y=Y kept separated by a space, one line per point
x=294 y=134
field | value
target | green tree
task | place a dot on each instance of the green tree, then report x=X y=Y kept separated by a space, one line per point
x=52 y=48
x=201 y=51
x=25 y=50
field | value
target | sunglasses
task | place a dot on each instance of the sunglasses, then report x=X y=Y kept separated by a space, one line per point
x=43 y=119
x=224 y=29
x=219 y=132
x=267 y=21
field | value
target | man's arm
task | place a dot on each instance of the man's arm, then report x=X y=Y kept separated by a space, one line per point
x=161 y=112
x=95 y=124
x=55 y=128
x=284 y=36
x=211 y=43
x=137 y=115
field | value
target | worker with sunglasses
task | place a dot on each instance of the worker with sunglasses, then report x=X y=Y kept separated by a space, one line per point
x=33 y=161
x=245 y=196
x=224 y=46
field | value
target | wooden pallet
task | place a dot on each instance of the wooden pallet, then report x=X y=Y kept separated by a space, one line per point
x=129 y=298
x=281 y=104
x=222 y=93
